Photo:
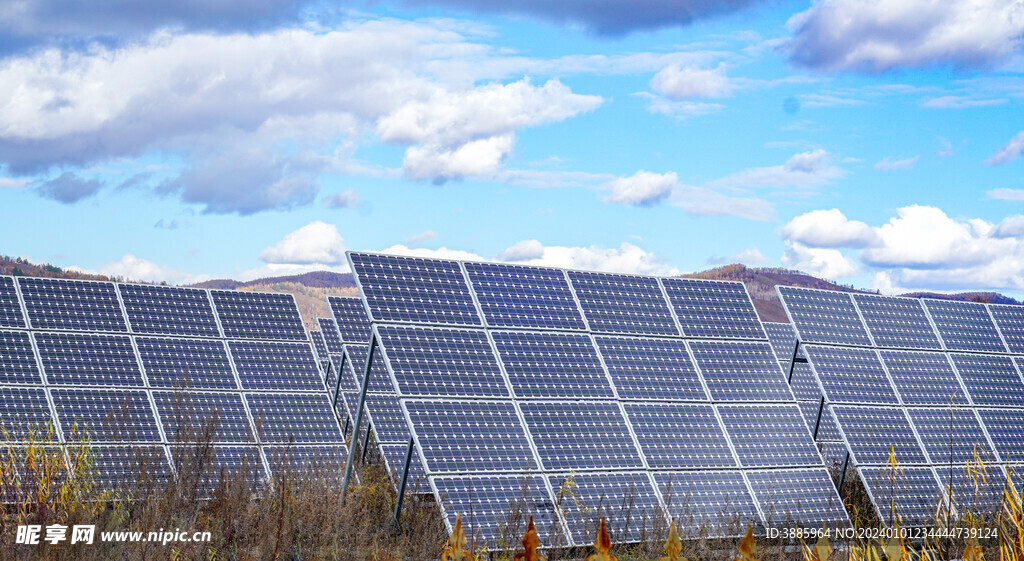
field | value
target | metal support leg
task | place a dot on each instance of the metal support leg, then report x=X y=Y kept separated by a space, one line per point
x=358 y=422
x=842 y=475
x=817 y=424
x=792 y=361
x=366 y=442
x=405 y=478
x=337 y=381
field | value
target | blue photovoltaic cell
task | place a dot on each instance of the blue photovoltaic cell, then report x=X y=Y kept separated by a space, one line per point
x=991 y=380
x=285 y=418
x=827 y=429
x=17 y=360
x=623 y=303
x=329 y=332
x=22 y=409
x=258 y=315
x=911 y=495
x=527 y=297
x=181 y=363
x=897 y=322
x=118 y=468
x=496 y=509
x=973 y=494
x=72 y=304
x=649 y=369
x=550 y=365
x=442 y=362
x=166 y=310
x=708 y=308
x=627 y=499
x=804 y=382
x=211 y=468
x=740 y=371
x=769 y=435
x=679 y=436
x=350 y=316
x=923 y=378
x=106 y=415
x=967 y=438
x=965 y=326
x=394 y=458
x=581 y=435
x=1006 y=427
x=712 y=503
x=414 y=290
x=276 y=366
x=308 y=460
x=1010 y=321
x=804 y=497
x=783 y=339
x=188 y=416
x=319 y=347
x=851 y=375
x=380 y=380
x=823 y=316
x=10 y=308
x=88 y=360
x=385 y=413
x=470 y=436
x=871 y=431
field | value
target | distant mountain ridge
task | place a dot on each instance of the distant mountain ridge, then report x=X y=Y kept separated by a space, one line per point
x=316 y=279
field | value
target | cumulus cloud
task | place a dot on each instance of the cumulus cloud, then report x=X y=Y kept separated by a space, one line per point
x=1009 y=152
x=69 y=188
x=804 y=170
x=627 y=258
x=346 y=199
x=678 y=83
x=1006 y=194
x=828 y=228
x=315 y=243
x=135 y=268
x=875 y=36
x=425 y=236
x=439 y=253
x=820 y=262
x=890 y=164
x=642 y=188
x=645 y=188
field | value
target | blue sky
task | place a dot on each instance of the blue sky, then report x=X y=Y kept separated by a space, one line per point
x=873 y=143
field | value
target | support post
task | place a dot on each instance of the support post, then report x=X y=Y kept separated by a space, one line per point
x=842 y=475
x=359 y=420
x=366 y=441
x=792 y=361
x=817 y=424
x=337 y=381
x=401 y=486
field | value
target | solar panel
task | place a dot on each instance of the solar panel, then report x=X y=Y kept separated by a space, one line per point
x=495 y=509
x=470 y=436
x=414 y=290
x=804 y=382
x=442 y=362
x=185 y=363
x=708 y=308
x=117 y=468
x=526 y=297
x=394 y=458
x=872 y=431
x=805 y=498
x=623 y=303
x=300 y=418
x=275 y=366
x=385 y=413
x=827 y=429
x=206 y=469
x=991 y=380
x=976 y=495
x=1004 y=427
x=10 y=307
x=923 y=378
x=627 y=498
x=580 y=435
x=783 y=339
x=319 y=347
x=769 y=435
x=331 y=336
x=897 y=322
x=651 y=369
x=350 y=316
x=71 y=304
x=1010 y=321
x=166 y=310
x=740 y=371
x=380 y=380
x=954 y=431
x=708 y=503
x=79 y=359
x=910 y=496
x=23 y=410
x=551 y=365
x=851 y=375
x=822 y=316
x=192 y=417
x=258 y=315
x=306 y=461
x=106 y=415
x=17 y=359
x=679 y=436
x=965 y=326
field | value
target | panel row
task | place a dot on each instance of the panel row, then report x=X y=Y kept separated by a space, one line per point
x=95 y=306
x=434 y=291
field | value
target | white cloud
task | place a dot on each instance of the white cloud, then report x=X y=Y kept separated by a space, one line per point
x=425 y=236
x=959 y=102
x=627 y=258
x=439 y=253
x=678 y=83
x=524 y=250
x=828 y=229
x=945 y=148
x=828 y=100
x=924 y=237
x=1006 y=194
x=316 y=243
x=11 y=183
x=874 y=36
x=804 y=170
x=820 y=262
x=889 y=164
x=346 y=199
x=135 y=268
x=679 y=109
x=1009 y=152
x=641 y=188
x=749 y=256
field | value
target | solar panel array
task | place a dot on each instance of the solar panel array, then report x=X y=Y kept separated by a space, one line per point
x=141 y=370
x=934 y=381
x=634 y=397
